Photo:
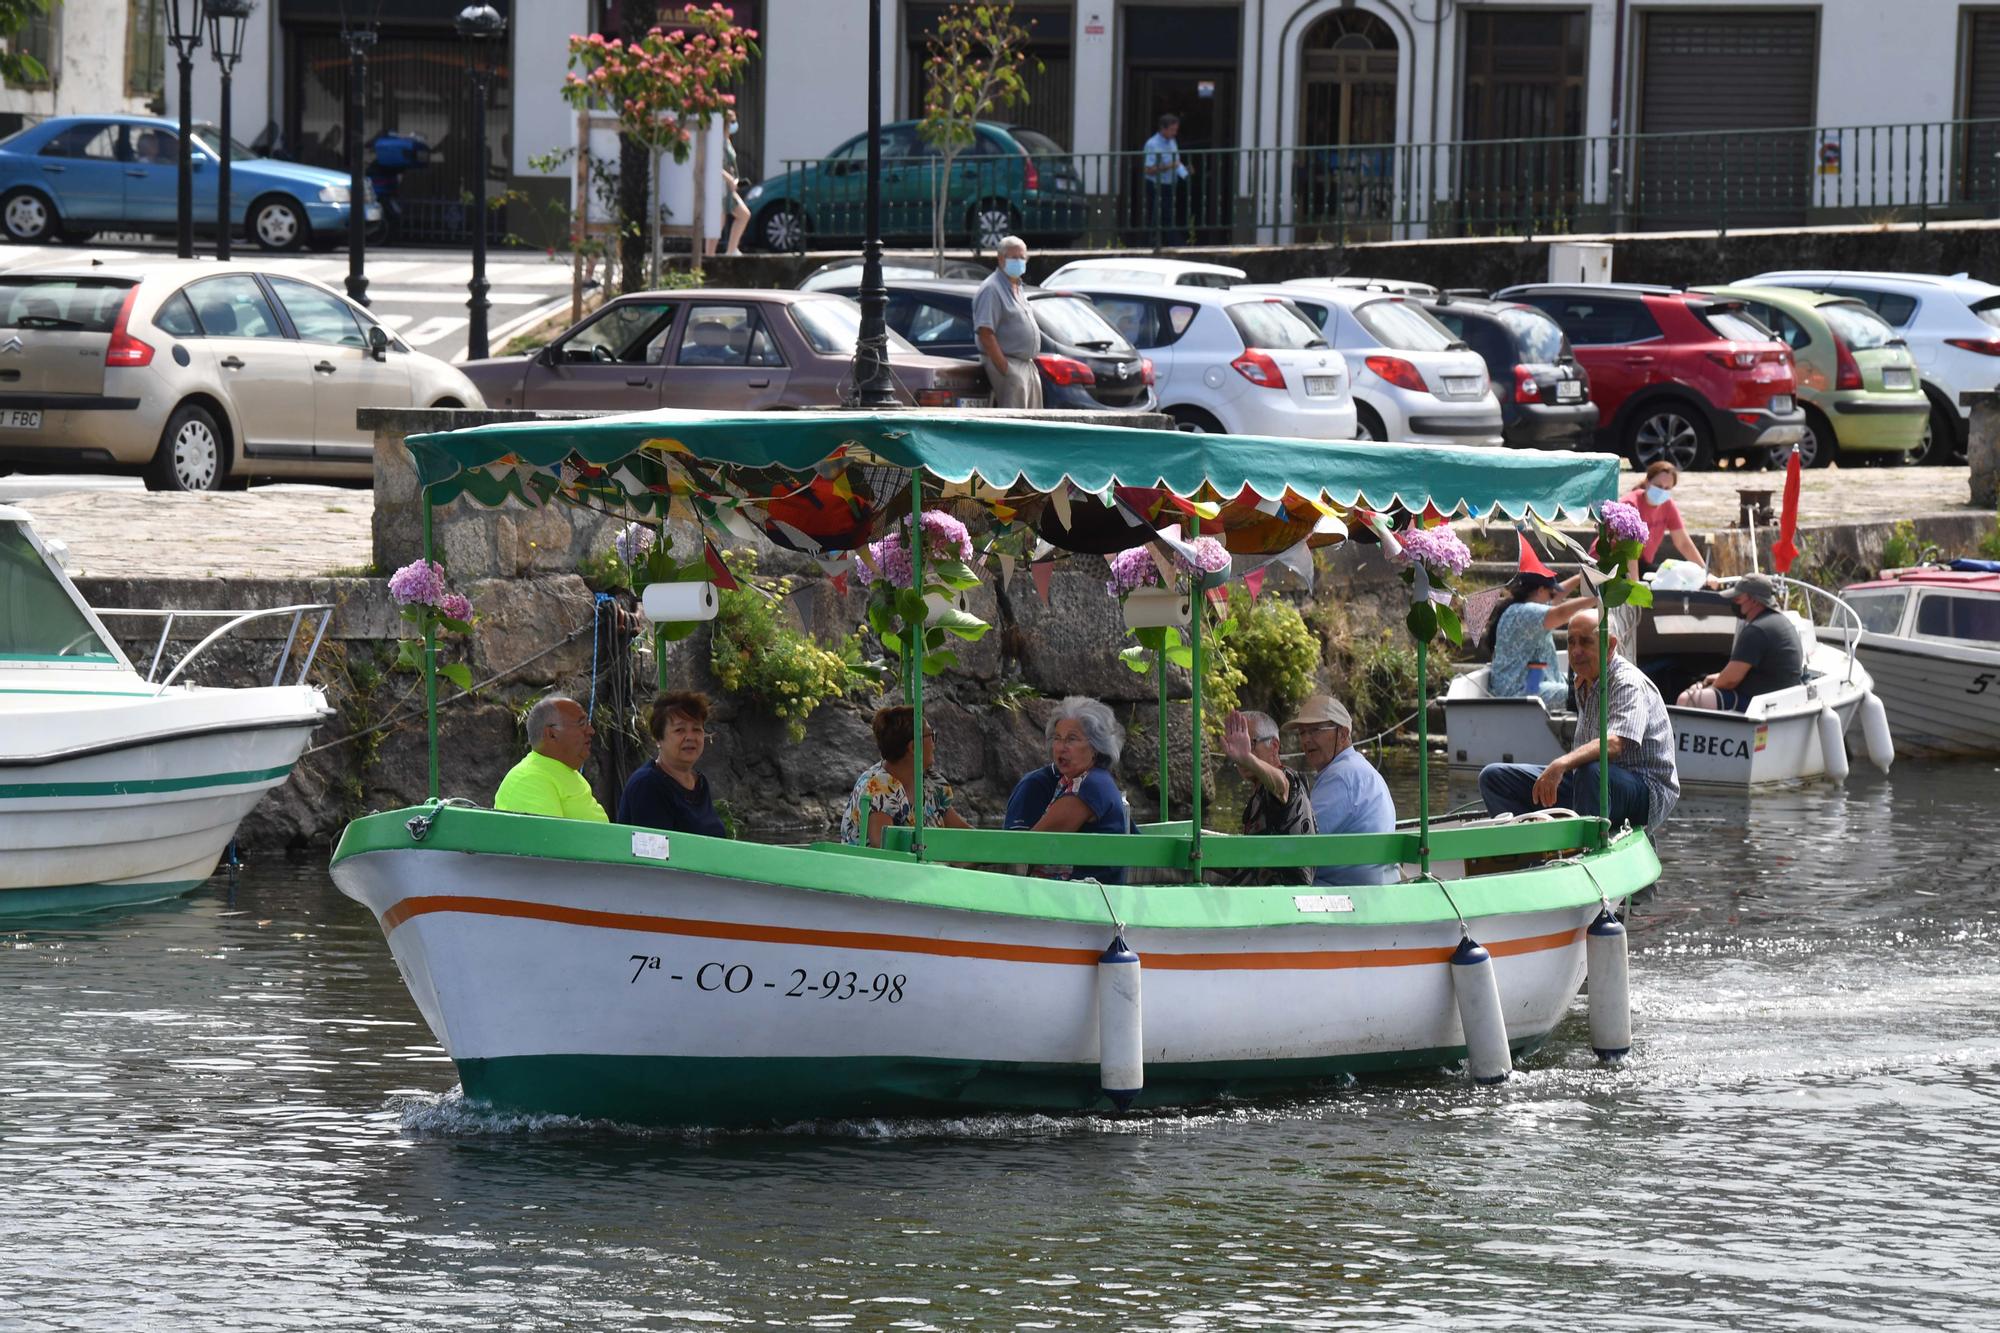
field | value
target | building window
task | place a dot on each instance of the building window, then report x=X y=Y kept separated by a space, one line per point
x=145 y=47
x=40 y=37
x=1051 y=88
x=1523 y=99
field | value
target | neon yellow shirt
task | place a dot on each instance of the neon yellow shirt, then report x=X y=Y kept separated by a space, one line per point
x=539 y=785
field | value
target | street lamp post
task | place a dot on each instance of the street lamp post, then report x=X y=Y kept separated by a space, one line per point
x=478 y=25
x=184 y=35
x=358 y=38
x=225 y=44
x=872 y=385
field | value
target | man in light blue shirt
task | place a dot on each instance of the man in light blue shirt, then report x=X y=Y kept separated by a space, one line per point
x=1164 y=173
x=1348 y=795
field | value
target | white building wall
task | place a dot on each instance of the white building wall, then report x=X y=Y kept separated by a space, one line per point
x=88 y=72
x=816 y=76
x=252 y=87
x=540 y=33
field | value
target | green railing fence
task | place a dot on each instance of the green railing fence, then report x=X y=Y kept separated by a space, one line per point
x=1708 y=181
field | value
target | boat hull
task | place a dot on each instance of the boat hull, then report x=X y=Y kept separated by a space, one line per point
x=1942 y=698
x=694 y=994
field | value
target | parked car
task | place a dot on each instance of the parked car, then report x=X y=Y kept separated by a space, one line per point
x=1952 y=326
x=1142 y=271
x=1084 y=362
x=1543 y=389
x=1857 y=382
x=1396 y=286
x=1674 y=374
x=716 y=347
x=199 y=375
x=69 y=177
x=1012 y=181
x=1413 y=379
x=1248 y=365
x=897 y=266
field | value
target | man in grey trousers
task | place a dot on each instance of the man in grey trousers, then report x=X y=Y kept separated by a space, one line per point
x=1007 y=333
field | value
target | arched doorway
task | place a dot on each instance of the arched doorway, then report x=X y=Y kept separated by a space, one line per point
x=1347 y=118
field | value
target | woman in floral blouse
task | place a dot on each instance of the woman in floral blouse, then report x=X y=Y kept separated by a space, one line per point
x=886 y=785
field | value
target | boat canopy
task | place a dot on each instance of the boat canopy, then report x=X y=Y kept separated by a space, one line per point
x=830 y=480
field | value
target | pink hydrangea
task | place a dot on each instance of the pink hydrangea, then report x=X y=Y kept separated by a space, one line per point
x=633 y=542
x=1437 y=549
x=1625 y=521
x=945 y=538
x=419 y=583
x=455 y=606
x=1136 y=568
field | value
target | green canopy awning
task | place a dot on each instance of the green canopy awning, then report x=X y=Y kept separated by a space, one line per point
x=639 y=462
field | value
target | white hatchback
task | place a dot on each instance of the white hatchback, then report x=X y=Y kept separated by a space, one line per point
x=1413 y=380
x=1145 y=271
x=1222 y=361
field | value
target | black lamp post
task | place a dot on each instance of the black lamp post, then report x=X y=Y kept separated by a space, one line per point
x=872 y=385
x=184 y=35
x=359 y=38
x=225 y=44
x=478 y=25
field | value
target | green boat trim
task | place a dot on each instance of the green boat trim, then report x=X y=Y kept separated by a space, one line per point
x=142 y=786
x=76 y=899
x=1628 y=865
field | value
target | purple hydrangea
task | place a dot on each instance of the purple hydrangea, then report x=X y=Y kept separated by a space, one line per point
x=1625 y=521
x=891 y=560
x=455 y=606
x=633 y=542
x=419 y=583
x=1136 y=568
x=945 y=538
x=1437 y=549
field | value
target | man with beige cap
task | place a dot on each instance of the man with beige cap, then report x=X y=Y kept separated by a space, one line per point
x=1348 y=795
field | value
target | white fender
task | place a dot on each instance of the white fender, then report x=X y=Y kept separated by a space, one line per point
x=1875 y=727
x=1121 y=1041
x=1833 y=744
x=1610 y=984
x=1478 y=991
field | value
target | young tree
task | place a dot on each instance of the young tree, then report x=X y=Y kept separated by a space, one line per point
x=977 y=61
x=665 y=88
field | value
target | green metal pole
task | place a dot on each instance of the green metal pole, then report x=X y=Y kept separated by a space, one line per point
x=1166 y=770
x=1603 y=723
x=660 y=657
x=913 y=661
x=1194 y=739
x=1423 y=759
x=430 y=665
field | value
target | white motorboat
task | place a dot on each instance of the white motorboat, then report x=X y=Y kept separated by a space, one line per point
x=1931 y=639
x=116 y=788
x=1779 y=738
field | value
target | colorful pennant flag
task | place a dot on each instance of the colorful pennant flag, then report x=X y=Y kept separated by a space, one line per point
x=723 y=578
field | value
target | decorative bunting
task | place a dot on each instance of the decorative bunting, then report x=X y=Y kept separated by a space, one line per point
x=1059 y=499
x=1254 y=581
x=723 y=578
x=1043 y=571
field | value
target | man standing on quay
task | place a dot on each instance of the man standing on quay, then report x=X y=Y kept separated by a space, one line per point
x=1007 y=333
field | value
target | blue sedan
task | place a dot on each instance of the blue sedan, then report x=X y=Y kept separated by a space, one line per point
x=70 y=177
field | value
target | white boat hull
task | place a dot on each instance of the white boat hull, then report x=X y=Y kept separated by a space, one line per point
x=1942 y=698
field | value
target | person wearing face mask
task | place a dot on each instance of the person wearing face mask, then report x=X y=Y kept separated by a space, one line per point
x=1767 y=655
x=1007 y=332
x=1655 y=503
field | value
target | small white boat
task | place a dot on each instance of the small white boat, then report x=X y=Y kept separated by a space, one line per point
x=116 y=788
x=1931 y=639
x=1777 y=739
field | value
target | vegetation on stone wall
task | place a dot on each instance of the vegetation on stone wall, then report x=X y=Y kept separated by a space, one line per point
x=757 y=655
x=1276 y=652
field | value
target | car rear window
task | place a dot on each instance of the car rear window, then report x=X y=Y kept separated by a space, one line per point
x=1273 y=324
x=1037 y=143
x=1989 y=311
x=833 y=327
x=1075 y=321
x=1398 y=324
x=1736 y=325
x=1537 y=338
x=78 y=305
x=1857 y=326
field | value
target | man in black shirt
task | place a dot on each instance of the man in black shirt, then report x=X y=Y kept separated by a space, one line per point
x=1765 y=658
x=667 y=793
x=1280 y=797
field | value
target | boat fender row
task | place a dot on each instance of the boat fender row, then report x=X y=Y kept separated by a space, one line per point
x=1833 y=743
x=1121 y=1040
x=1610 y=982
x=1478 y=990
x=1875 y=730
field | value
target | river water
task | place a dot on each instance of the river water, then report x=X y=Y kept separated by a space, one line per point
x=225 y=1113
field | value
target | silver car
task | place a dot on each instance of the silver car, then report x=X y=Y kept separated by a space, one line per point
x=198 y=375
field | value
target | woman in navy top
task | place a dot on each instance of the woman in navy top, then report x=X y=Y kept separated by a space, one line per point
x=667 y=793
x=1076 y=793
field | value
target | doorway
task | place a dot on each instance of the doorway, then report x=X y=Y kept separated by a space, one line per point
x=1346 y=167
x=1182 y=61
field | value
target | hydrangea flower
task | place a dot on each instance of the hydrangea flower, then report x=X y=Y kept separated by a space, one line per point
x=633 y=542
x=455 y=606
x=1136 y=568
x=419 y=583
x=1436 y=549
x=945 y=538
x=1625 y=521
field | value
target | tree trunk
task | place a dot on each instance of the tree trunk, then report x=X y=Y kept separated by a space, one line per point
x=654 y=210
x=695 y=224
x=635 y=21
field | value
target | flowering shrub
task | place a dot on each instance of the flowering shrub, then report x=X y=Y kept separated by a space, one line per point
x=1621 y=537
x=1624 y=521
x=755 y=653
x=1430 y=558
x=1438 y=550
x=946 y=542
x=1135 y=569
x=632 y=543
x=901 y=614
x=428 y=602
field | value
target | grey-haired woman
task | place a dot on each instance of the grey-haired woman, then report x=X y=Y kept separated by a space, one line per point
x=1075 y=792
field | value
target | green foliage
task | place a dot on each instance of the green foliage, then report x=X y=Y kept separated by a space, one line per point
x=903 y=620
x=975 y=66
x=757 y=654
x=18 y=69
x=1371 y=667
x=1277 y=653
x=1015 y=693
x=1989 y=545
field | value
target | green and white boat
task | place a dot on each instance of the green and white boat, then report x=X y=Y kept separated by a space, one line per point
x=607 y=971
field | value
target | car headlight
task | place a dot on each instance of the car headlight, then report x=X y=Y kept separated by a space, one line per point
x=333 y=194
x=756 y=192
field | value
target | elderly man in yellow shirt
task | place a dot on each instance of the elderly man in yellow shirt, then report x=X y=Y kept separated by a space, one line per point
x=546 y=781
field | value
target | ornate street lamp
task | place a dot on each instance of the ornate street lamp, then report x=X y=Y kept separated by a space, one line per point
x=184 y=35
x=479 y=26
x=225 y=45
x=358 y=36
x=872 y=385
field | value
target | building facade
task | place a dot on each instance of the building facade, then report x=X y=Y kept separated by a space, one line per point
x=101 y=55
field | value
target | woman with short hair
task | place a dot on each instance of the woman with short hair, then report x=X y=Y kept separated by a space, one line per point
x=666 y=793
x=886 y=785
x=1076 y=793
x=1654 y=499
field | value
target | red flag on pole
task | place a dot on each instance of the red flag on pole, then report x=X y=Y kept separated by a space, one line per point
x=1786 y=548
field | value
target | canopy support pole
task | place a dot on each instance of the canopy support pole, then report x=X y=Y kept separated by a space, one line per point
x=915 y=640
x=1166 y=769
x=1603 y=724
x=1423 y=759
x=1200 y=608
x=430 y=664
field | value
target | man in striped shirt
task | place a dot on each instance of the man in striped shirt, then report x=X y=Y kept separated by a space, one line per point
x=1644 y=783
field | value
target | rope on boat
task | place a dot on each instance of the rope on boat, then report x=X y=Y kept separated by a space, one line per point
x=1109 y=910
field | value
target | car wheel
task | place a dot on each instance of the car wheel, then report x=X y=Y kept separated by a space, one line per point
x=1195 y=421
x=992 y=222
x=1817 y=447
x=1370 y=423
x=191 y=456
x=1939 y=446
x=1673 y=431
x=28 y=216
x=278 y=223
x=781 y=228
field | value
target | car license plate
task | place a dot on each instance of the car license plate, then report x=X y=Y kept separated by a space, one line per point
x=1322 y=386
x=1569 y=391
x=17 y=419
x=1897 y=379
x=1781 y=402
x=975 y=402
x=1461 y=384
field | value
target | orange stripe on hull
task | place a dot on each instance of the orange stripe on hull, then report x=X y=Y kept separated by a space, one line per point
x=1300 y=960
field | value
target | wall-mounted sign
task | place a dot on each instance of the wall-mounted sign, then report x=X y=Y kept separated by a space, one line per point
x=1205 y=88
x=1093 y=26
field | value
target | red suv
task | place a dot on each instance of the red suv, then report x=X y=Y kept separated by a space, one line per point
x=1676 y=375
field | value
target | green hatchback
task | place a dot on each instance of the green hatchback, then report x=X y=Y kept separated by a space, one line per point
x=1857 y=381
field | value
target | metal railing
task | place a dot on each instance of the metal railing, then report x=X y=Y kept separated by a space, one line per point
x=232 y=621
x=1703 y=181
